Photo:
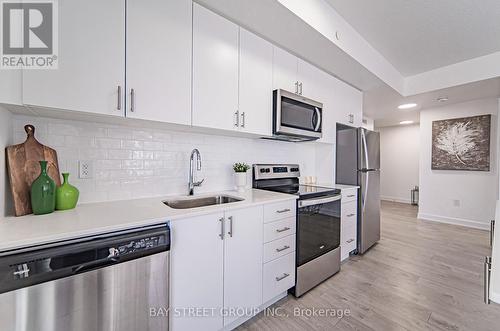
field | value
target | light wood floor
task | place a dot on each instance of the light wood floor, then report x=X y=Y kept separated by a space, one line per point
x=420 y=276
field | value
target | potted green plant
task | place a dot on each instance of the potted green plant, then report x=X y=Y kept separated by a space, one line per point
x=240 y=173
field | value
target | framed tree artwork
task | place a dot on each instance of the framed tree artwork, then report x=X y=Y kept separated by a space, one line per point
x=461 y=143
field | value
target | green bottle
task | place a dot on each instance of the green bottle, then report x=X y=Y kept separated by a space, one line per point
x=66 y=194
x=43 y=192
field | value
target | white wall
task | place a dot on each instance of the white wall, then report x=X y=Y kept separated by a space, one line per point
x=399 y=161
x=136 y=162
x=5 y=140
x=458 y=197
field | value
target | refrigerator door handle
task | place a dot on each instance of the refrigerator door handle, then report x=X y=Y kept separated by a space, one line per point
x=363 y=201
x=365 y=148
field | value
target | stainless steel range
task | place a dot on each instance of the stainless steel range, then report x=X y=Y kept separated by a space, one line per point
x=318 y=223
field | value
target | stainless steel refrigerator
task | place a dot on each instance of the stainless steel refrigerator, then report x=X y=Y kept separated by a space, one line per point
x=358 y=163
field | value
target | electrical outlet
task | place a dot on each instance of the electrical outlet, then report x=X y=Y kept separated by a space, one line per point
x=456 y=203
x=86 y=169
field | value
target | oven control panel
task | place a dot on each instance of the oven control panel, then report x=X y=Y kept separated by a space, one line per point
x=270 y=171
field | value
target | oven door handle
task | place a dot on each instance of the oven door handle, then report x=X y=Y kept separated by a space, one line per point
x=311 y=202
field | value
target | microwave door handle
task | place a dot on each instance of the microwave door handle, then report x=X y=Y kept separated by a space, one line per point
x=318 y=119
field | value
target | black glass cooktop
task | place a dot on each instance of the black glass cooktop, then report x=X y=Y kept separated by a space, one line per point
x=303 y=190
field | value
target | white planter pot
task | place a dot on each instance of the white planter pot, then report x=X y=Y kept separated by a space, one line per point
x=241 y=181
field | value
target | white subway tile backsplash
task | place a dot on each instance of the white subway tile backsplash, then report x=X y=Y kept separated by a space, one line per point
x=132 y=144
x=124 y=133
x=132 y=162
x=107 y=143
x=119 y=154
x=142 y=135
x=143 y=155
x=153 y=146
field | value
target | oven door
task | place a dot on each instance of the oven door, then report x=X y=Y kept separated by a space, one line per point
x=318 y=227
x=296 y=116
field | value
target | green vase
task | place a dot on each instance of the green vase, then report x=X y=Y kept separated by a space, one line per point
x=43 y=192
x=66 y=195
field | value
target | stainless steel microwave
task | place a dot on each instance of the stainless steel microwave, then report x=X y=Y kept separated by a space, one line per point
x=296 y=118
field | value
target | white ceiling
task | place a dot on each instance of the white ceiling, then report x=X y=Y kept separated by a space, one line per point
x=381 y=103
x=416 y=36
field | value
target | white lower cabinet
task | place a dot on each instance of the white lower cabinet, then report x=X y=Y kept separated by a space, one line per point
x=349 y=222
x=242 y=262
x=279 y=248
x=196 y=277
x=223 y=270
x=279 y=276
x=216 y=268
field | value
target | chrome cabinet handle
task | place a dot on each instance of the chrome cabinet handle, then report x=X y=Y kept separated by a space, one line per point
x=351 y=118
x=283 y=211
x=282 y=249
x=350 y=241
x=283 y=230
x=243 y=119
x=492 y=232
x=297 y=87
x=285 y=275
x=351 y=196
x=119 y=101
x=487 y=274
x=222 y=228
x=300 y=86
x=237 y=115
x=351 y=215
x=132 y=100
x=230 y=232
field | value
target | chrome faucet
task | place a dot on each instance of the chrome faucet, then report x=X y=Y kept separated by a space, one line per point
x=192 y=184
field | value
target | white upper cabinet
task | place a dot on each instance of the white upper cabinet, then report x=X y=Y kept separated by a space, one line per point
x=11 y=86
x=312 y=81
x=159 y=60
x=284 y=70
x=243 y=260
x=256 y=84
x=215 y=70
x=91 y=75
x=349 y=104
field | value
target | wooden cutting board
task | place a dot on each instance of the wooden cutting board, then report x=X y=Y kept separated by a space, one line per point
x=23 y=168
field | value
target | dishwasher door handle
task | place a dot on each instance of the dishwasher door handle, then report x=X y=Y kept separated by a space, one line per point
x=95 y=264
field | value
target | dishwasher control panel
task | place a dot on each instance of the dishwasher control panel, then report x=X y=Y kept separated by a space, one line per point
x=140 y=244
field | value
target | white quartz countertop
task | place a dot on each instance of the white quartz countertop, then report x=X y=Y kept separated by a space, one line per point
x=104 y=217
x=338 y=186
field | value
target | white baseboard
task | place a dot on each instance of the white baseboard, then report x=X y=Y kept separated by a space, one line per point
x=395 y=199
x=495 y=297
x=454 y=221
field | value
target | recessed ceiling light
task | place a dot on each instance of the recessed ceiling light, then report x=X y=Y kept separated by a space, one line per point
x=442 y=99
x=407 y=106
x=406 y=122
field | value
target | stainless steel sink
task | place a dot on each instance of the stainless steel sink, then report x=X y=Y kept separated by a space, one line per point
x=200 y=202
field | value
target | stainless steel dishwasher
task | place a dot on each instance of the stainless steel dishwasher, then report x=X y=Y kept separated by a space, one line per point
x=117 y=281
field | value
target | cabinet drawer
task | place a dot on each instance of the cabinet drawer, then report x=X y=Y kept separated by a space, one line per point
x=349 y=195
x=278 y=211
x=349 y=213
x=349 y=241
x=278 y=248
x=279 y=229
x=279 y=276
